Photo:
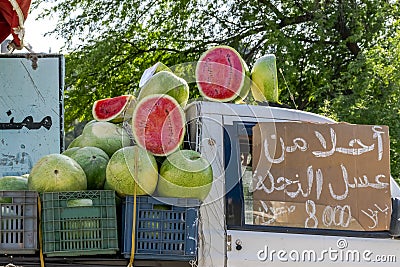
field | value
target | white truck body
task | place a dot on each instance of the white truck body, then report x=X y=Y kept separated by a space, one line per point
x=222 y=245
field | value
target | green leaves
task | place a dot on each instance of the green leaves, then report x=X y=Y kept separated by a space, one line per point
x=371 y=92
x=339 y=58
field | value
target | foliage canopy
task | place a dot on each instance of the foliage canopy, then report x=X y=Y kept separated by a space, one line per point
x=338 y=58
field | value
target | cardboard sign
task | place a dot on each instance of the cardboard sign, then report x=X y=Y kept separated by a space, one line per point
x=333 y=176
x=31 y=111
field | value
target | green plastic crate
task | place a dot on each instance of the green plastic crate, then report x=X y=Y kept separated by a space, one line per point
x=87 y=229
x=18 y=222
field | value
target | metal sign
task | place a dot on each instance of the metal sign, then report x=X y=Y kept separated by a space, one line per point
x=31 y=110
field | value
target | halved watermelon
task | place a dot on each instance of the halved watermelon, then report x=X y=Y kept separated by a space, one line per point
x=222 y=75
x=158 y=124
x=113 y=109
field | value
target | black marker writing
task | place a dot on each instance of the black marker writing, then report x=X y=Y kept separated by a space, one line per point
x=28 y=123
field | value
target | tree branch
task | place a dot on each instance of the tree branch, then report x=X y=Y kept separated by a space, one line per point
x=274 y=9
x=340 y=25
x=345 y=32
x=296 y=20
x=255 y=48
x=307 y=40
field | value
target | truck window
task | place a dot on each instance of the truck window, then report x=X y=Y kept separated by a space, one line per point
x=238 y=173
x=246 y=175
x=241 y=214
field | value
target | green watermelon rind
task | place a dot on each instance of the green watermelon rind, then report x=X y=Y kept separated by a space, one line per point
x=244 y=87
x=93 y=161
x=178 y=177
x=69 y=176
x=119 y=115
x=151 y=71
x=70 y=151
x=75 y=142
x=14 y=183
x=135 y=134
x=80 y=202
x=264 y=78
x=244 y=91
x=105 y=135
x=166 y=82
x=120 y=172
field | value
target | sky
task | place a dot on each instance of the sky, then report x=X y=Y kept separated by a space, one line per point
x=34 y=34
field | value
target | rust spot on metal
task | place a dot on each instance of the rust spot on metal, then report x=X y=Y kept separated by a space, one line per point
x=211 y=142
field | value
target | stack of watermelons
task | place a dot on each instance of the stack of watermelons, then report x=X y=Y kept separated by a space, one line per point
x=135 y=144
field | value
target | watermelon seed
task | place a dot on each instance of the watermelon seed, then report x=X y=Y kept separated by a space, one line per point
x=230 y=69
x=210 y=73
x=228 y=56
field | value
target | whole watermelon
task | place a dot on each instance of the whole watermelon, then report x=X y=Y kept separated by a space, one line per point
x=8 y=183
x=56 y=172
x=93 y=161
x=132 y=168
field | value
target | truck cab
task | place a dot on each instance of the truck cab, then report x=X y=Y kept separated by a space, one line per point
x=230 y=237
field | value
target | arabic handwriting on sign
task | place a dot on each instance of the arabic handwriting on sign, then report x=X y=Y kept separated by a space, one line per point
x=351 y=150
x=269 y=183
x=373 y=214
x=28 y=123
x=298 y=144
x=359 y=182
x=268 y=214
x=355 y=146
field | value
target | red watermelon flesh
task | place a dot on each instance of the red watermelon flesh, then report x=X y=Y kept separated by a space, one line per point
x=111 y=109
x=158 y=124
x=220 y=74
